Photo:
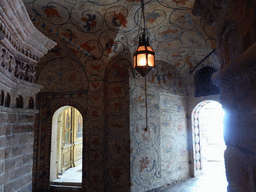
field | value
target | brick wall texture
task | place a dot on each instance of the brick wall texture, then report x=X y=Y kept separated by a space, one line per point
x=16 y=152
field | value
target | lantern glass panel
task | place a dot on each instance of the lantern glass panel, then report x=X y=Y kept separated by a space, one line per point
x=151 y=60
x=141 y=59
x=141 y=48
x=149 y=48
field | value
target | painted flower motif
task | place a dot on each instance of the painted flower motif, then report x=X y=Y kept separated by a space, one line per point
x=152 y=17
x=145 y=135
x=109 y=45
x=168 y=148
x=121 y=19
x=71 y=35
x=51 y=11
x=87 y=47
x=90 y=21
x=144 y=162
x=183 y=2
x=168 y=31
x=96 y=67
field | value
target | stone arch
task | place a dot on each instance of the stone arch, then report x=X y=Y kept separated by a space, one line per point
x=31 y=104
x=19 y=101
x=56 y=144
x=203 y=82
x=74 y=76
x=115 y=62
x=196 y=136
x=48 y=136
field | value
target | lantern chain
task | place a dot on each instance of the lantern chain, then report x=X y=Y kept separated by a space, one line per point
x=146 y=103
x=143 y=17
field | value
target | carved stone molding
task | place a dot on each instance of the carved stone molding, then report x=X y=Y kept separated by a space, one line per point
x=19 y=30
x=21 y=45
x=12 y=88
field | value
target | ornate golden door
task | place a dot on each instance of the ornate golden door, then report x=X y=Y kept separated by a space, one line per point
x=66 y=152
x=71 y=139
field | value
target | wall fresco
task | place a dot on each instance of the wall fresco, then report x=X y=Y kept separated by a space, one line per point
x=115 y=99
x=104 y=105
x=159 y=154
x=100 y=30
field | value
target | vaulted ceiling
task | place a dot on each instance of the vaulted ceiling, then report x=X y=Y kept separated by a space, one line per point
x=97 y=30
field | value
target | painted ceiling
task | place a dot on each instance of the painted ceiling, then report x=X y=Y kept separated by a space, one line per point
x=98 y=30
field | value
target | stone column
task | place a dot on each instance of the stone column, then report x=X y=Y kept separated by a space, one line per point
x=237 y=81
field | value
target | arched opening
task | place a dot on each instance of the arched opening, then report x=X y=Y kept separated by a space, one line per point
x=203 y=82
x=66 y=147
x=2 y=98
x=208 y=142
x=7 y=100
x=31 y=103
x=19 y=102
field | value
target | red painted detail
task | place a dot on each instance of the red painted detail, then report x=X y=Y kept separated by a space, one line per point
x=49 y=11
x=121 y=18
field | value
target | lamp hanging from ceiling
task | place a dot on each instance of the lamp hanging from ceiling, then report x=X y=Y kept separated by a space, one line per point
x=144 y=56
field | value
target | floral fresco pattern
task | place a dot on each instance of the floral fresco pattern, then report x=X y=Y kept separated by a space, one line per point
x=100 y=30
x=91 y=66
x=159 y=153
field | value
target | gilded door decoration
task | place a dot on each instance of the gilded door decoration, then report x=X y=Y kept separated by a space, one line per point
x=71 y=143
x=67 y=127
x=79 y=127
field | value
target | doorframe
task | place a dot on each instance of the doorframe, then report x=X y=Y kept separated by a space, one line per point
x=197 y=169
x=55 y=143
x=42 y=139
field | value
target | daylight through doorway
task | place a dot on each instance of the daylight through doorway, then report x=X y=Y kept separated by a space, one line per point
x=208 y=142
x=66 y=147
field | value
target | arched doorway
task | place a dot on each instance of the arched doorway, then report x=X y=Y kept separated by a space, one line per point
x=208 y=141
x=66 y=146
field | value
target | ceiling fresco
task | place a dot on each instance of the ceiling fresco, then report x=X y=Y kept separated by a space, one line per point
x=98 y=30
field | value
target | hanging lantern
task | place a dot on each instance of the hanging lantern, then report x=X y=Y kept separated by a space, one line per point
x=144 y=56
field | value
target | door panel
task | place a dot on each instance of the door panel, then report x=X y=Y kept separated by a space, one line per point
x=71 y=150
x=67 y=140
x=66 y=157
x=77 y=130
x=77 y=153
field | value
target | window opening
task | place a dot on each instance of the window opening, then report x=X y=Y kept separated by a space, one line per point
x=2 y=98
x=31 y=103
x=7 y=100
x=19 y=102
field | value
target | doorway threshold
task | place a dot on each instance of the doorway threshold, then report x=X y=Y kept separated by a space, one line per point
x=63 y=187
